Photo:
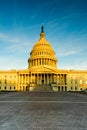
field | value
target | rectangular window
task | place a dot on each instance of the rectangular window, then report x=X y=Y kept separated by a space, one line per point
x=75 y=88
x=5 y=87
x=40 y=61
x=71 y=88
x=76 y=82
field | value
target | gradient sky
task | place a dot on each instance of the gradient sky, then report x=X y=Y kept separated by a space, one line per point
x=65 y=26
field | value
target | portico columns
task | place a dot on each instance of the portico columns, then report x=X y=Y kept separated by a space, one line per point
x=47 y=78
x=44 y=79
x=41 y=78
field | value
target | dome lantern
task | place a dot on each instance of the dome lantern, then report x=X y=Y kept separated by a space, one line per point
x=42 y=35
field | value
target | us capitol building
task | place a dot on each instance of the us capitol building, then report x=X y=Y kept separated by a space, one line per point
x=42 y=73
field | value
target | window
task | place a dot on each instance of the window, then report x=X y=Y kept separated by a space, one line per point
x=71 y=88
x=75 y=88
x=65 y=88
x=80 y=88
x=71 y=81
x=5 y=88
x=40 y=61
x=62 y=88
x=5 y=81
x=75 y=81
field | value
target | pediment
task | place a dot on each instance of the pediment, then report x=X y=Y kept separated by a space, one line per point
x=42 y=69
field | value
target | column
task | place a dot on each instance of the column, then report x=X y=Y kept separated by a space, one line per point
x=33 y=62
x=22 y=78
x=44 y=79
x=37 y=78
x=31 y=78
x=28 y=79
x=41 y=79
x=36 y=62
x=45 y=61
x=30 y=63
x=50 y=78
x=57 y=79
x=19 y=79
x=41 y=61
x=63 y=81
x=48 y=62
x=47 y=79
x=51 y=61
x=34 y=78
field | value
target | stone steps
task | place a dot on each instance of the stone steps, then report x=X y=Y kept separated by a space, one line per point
x=42 y=88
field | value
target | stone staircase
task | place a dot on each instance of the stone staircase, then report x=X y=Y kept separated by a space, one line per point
x=42 y=88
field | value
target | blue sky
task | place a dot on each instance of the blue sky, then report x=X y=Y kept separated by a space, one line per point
x=65 y=25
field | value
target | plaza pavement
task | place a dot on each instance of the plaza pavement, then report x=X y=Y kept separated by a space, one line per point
x=43 y=111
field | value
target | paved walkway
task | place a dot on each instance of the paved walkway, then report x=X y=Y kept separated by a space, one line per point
x=43 y=111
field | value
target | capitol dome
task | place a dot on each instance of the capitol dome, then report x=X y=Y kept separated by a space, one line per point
x=42 y=53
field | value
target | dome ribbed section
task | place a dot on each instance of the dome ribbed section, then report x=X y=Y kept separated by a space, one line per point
x=42 y=53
